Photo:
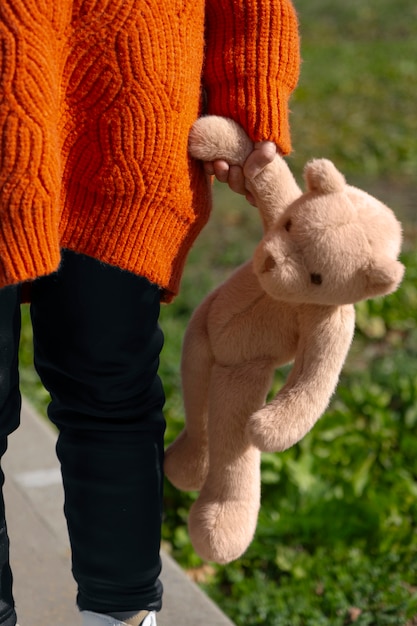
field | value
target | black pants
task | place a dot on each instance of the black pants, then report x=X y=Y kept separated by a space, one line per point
x=97 y=344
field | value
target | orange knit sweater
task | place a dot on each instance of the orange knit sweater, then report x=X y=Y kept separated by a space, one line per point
x=96 y=101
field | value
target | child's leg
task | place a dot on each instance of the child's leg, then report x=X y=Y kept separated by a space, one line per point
x=9 y=420
x=97 y=345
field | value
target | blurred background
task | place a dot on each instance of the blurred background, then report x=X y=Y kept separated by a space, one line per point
x=337 y=537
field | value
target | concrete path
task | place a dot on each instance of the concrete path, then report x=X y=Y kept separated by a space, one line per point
x=43 y=586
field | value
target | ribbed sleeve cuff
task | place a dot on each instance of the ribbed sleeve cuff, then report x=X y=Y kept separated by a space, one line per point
x=252 y=65
x=24 y=254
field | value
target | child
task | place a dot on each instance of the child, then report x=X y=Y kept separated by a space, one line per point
x=99 y=206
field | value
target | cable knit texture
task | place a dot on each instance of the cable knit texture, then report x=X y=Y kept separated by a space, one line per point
x=96 y=101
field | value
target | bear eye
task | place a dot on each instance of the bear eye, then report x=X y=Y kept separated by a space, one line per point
x=288 y=226
x=316 y=279
x=269 y=264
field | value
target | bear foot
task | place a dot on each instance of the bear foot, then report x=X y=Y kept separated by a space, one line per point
x=222 y=531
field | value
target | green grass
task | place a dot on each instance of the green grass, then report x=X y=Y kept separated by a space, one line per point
x=337 y=537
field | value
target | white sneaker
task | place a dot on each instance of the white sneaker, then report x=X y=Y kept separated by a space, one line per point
x=99 y=619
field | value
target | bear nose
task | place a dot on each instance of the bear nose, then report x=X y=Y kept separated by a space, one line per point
x=316 y=279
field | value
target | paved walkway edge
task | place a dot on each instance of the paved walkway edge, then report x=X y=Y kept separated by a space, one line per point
x=43 y=586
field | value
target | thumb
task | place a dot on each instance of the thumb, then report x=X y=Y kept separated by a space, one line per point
x=264 y=152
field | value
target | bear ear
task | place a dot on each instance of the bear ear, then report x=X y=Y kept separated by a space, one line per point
x=323 y=177
x=383 y=277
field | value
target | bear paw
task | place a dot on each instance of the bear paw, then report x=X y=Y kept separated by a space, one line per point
x=269 y=432
x=186 y=463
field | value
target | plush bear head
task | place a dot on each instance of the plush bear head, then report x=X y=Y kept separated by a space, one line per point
x=334 y=244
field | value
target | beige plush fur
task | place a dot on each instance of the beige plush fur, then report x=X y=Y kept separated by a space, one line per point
x=322 y=251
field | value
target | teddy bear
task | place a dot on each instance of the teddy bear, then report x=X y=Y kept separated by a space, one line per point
x=292 y=302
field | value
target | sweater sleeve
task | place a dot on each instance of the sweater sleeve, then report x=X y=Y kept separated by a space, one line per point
x=252 y=65
x=29 y=159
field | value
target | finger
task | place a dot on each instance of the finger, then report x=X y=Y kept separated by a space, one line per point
x=263 y=153
x=236 y=179
x=221 y=170
x=208 y=168
x=250 y=198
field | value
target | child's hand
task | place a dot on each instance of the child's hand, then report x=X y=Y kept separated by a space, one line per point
x=235 y=176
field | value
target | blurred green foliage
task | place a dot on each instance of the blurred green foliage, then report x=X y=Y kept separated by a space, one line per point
x=355 y=102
